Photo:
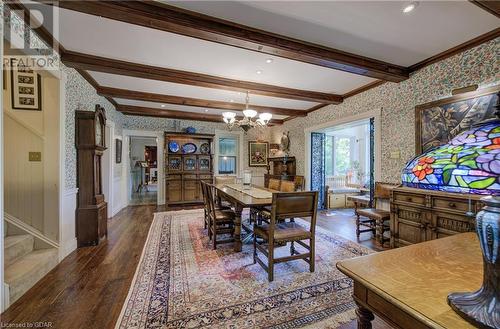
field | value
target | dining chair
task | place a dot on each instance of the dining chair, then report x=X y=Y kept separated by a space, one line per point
x=277 y=232
x=206 y=209
x=274 y=184
x=223 y=180
x=376 y=219
x=287 y=186
x=221 y=221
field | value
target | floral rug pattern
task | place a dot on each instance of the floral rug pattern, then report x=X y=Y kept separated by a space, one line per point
x=181 y=282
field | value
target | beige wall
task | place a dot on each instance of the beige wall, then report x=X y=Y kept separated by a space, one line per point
x=31 y=188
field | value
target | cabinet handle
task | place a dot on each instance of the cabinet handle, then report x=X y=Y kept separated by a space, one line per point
x=452 y=205
x=409 y=199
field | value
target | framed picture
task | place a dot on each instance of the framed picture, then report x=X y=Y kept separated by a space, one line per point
x=258 y=153
x=26 y=89
x=118 y=150
x=436 y=123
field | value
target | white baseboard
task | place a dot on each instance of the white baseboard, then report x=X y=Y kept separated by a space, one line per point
x=118 y=208
x=67 y=225
x=66 y=249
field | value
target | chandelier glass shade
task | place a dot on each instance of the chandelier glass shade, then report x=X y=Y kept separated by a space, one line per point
x=248 y=121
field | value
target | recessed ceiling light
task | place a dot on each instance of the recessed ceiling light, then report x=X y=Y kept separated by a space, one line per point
x=259 y=72
x=162 y=105
x=231 y=100
x=410 y=7
x=269 y=60
x=206 y=110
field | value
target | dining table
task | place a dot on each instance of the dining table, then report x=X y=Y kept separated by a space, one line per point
x=242 y=197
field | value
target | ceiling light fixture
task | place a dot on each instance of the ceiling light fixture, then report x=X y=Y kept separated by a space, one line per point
x=247 y=122
x=162 y=105
x=410 y=7
x=269 y=60
x=206 y=110
x=259 y=72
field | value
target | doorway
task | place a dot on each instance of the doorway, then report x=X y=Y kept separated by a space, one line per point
x=343 y=162
x=143 y=170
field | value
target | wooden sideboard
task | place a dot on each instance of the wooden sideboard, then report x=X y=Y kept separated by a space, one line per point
x=184 y=171
x=419 y=215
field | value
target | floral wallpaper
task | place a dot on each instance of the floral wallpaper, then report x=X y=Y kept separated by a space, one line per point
x=397 y=101
x=81 y=96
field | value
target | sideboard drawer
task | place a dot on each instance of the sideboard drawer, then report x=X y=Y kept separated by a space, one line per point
x=190 y=177
x=451 y=204
x=206 y=177
x=415 y=199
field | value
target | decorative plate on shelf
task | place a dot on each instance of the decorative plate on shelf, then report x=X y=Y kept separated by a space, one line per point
x=189 y=148
x=205 y=148
x=173 y=147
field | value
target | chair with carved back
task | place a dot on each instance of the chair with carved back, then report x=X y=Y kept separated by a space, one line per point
x=376 y=219
x=278 y=232
x=274 y=184
x=206 y=205
x=223 y=180
x=221 y=221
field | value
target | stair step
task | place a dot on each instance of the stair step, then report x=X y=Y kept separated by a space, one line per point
x=28 y=270
x=17 y=246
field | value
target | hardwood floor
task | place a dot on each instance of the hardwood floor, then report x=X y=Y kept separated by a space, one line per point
x=88 y=288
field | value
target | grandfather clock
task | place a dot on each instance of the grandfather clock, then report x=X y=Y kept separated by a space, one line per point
x=91 y=211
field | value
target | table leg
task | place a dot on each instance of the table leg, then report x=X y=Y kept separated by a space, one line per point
x=237 y=227
x=365 y=317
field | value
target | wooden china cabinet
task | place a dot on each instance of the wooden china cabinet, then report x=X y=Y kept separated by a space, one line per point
x=91 y=211
x=188 y=161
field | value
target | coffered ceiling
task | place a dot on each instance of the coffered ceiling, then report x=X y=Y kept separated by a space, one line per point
x=157 y=57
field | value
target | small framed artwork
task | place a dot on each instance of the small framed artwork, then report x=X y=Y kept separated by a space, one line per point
x=258 y=153
x=26 y=89
x=118 y=150
x=438 y=122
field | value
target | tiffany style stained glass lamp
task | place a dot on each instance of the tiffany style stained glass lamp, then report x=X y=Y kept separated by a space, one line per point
x=470 y=163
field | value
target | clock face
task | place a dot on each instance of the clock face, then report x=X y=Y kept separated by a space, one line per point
x=98 y=131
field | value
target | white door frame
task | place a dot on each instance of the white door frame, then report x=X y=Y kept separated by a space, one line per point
x=159 y=151
x=110 y=168
x=2 y=285
x=376 y=114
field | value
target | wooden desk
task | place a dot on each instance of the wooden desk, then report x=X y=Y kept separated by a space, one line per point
x=240 y=200
x=407 y=287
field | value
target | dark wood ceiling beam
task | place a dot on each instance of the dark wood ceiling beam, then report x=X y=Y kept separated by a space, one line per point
x=196 y=102
x=107 y=65
x=491 y=6
x=175 y=20
x=173 y=114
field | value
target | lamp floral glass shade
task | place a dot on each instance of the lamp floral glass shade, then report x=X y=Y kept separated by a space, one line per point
x=469 y=163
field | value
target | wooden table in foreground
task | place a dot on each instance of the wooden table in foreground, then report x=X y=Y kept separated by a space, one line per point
x=407 y=287
x=240 y=201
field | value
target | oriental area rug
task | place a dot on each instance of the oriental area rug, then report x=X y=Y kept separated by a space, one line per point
x=181 y=282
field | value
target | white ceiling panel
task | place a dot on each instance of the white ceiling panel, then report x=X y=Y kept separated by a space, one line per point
x=376 y=29
x=128 y=42
x=184 y=108
x=168 y=88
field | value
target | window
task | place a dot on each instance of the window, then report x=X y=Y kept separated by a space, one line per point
x=228 y=155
